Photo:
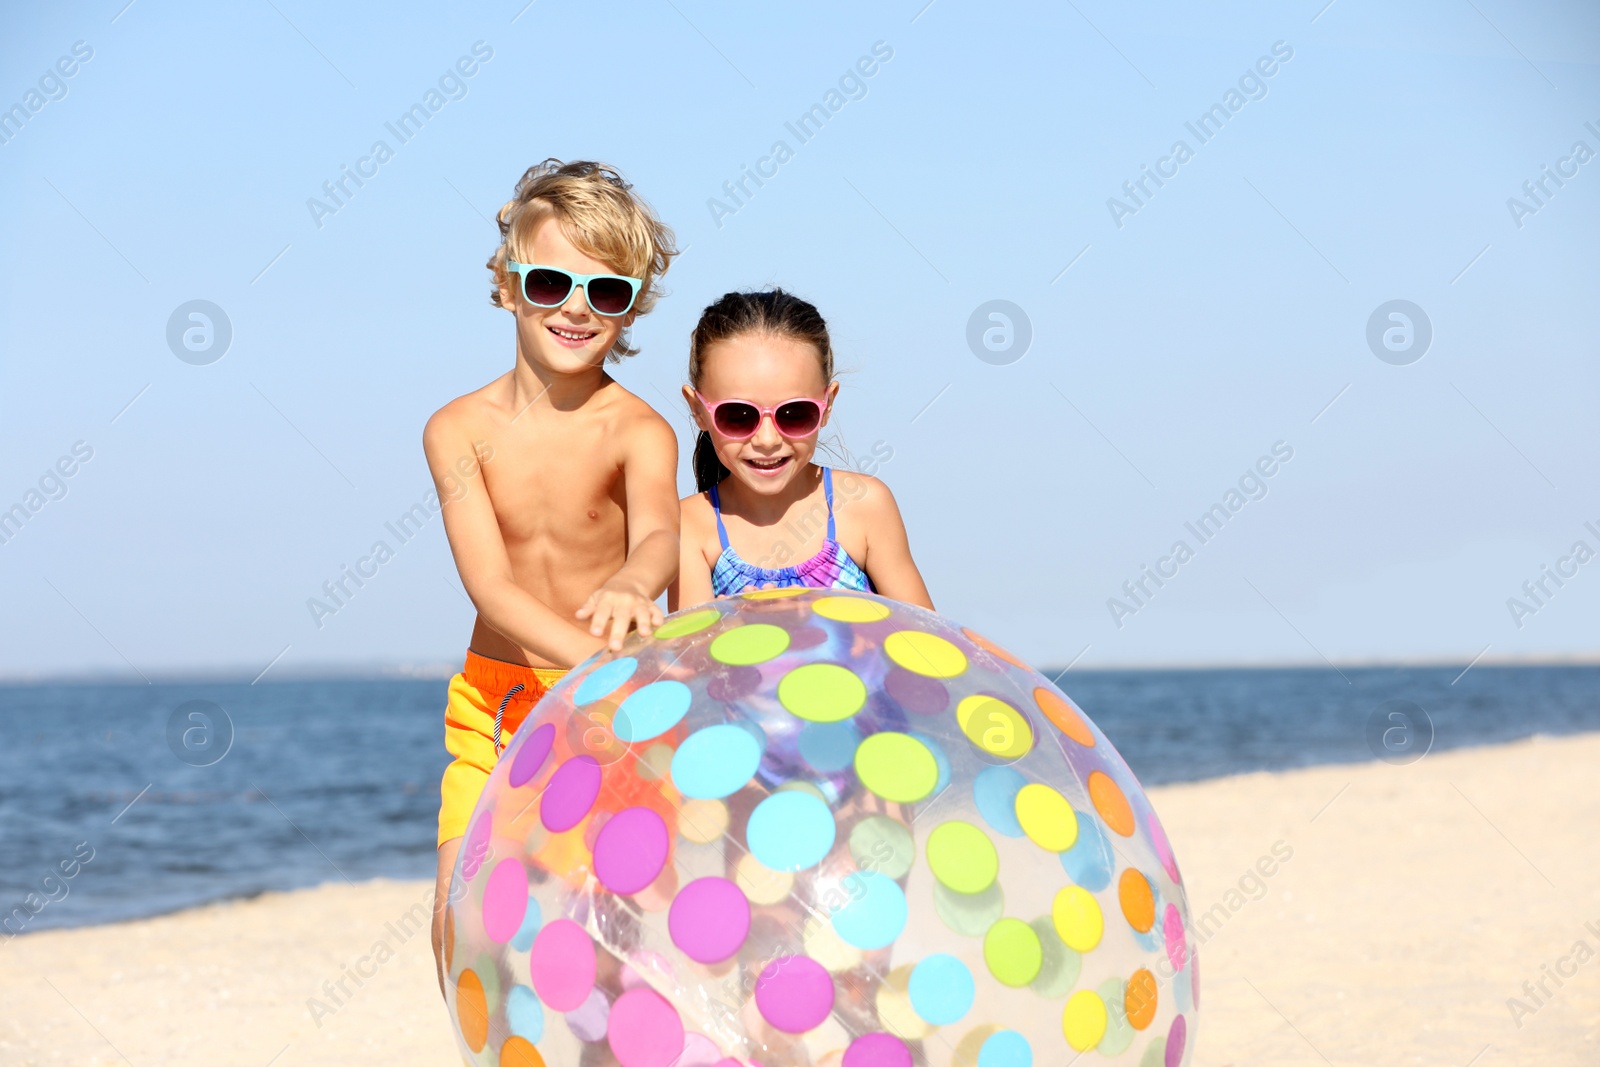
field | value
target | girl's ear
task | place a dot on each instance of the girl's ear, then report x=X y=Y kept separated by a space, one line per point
x=694 y=407
x=828 y=397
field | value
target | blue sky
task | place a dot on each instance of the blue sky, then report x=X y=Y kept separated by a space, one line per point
x=1168 y=354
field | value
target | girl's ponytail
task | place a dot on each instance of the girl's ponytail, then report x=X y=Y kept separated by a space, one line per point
x=771 y=311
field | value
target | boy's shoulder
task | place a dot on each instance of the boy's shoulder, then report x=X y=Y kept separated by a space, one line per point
x=466 y=413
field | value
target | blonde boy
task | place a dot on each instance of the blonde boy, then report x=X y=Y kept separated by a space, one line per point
x=562 y=486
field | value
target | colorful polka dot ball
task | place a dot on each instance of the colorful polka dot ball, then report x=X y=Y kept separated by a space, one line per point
x=810 y=827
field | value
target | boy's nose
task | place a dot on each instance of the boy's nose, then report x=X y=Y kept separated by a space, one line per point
x=576 y=304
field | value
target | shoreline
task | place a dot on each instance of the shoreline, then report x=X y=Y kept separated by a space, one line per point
x=1413 y=905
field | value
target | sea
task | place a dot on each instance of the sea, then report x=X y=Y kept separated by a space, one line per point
x=296 y=783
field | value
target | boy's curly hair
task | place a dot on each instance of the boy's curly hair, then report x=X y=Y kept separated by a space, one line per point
x=600 y=214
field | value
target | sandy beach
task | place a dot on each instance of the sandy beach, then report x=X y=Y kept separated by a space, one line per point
x=1416 y=903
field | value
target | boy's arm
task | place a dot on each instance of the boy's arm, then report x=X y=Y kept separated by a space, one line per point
x=888 y=562
x=650 y=478
x=480 y=553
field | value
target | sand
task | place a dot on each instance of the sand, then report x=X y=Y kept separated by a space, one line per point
x=1415 y=903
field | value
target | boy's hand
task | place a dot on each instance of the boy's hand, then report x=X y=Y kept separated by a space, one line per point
x=621 y=604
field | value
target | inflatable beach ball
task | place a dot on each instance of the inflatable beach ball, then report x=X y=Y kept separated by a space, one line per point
x=811 y=827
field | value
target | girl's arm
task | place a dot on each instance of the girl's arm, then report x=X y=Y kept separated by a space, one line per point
x=888 y=559
x=693 y=583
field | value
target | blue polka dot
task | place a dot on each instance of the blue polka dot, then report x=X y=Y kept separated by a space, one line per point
x=940 y=760
x=605 y=681
x=1088 y=861
x=941 y=990
x=790 y=830
x=715 y=762
x=651 y=711
x=995 y=790
x=875 y=913
x=1006 y=1048
x=524 y=1014
x=532 y=920
x=829 y=746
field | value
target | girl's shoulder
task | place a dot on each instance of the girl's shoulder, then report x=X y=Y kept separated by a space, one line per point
x=854 y=487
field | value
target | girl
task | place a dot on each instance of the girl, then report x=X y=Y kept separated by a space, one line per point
x=761 y=389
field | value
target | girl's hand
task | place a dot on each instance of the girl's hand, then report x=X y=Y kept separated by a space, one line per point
x=620 y=604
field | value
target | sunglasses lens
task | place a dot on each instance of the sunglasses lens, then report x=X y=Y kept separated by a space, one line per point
x=609 y=296
x=546 y=287
x=798 y=418
x=737 y=420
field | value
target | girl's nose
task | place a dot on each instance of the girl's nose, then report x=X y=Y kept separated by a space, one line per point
x=767 y=435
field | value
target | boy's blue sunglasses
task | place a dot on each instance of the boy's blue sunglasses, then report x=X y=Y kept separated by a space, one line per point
x=548 y=287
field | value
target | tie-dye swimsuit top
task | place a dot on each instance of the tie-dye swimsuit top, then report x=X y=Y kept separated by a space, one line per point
x=830 y=568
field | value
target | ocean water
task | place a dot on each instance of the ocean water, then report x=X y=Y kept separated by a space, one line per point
x=331 y=780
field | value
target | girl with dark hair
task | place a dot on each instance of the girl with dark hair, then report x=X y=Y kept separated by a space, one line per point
x=761 y=387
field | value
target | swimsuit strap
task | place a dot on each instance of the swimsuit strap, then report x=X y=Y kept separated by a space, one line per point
x=827 y=491
x=722 y=531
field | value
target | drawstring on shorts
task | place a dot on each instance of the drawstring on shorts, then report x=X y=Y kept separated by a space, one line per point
x=499 y=716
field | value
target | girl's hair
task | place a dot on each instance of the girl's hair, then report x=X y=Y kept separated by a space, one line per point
x=600 y=214
x=773 y=312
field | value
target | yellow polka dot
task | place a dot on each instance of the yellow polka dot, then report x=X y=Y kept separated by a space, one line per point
x=1077 y=917
x=925 y=653
x=684 y=625
x=994 y=726
x=825 y=946
x=761 y=884
x=702 y=821
x=962 y=857
x=753 y=643
x=850 y=609
x=800 y=785
x=1084 y=1020
x=1012 y=952
x=822 y=692
x=894 y=1006
x=1046 y=817
x=654 y=764
x=897 y=767
x=774 y=594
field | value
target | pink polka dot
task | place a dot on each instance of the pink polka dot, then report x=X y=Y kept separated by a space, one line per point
x=1172 y=926
x=476 y=846
x=570 y=794
x=877 y=1050
x=588 y=1021
x=1158 y=839
x=531 y=756
x=562 y=965
x=644 y=1031
x=505 y=900
x=630 y=850
x=709 y=919
x=1175 y=1042
x=700 y=1051
x=794 y=994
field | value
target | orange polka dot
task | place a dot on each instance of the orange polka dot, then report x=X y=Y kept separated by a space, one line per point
x=992 y=648
x=1065 y=716
x=1110 y=803
x=472 y=1010
x=1138 y=903
x=1140 y=999
x=449 y=937
x=517 y=1052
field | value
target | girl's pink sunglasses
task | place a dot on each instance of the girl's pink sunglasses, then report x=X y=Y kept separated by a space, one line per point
x=740 y=419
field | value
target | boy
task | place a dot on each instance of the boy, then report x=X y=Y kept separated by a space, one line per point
x=562 y=485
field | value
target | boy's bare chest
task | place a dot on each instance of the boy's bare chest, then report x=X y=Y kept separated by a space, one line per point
x=564 y=491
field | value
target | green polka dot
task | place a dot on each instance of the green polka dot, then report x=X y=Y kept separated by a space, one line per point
x=820 y=692
x=898 y=768
x=1059 y=965
x=879 y=843
x=1012 y=952
x=925 y=653
x=970 y=915
x=743 y=646
x=962 y=857
x=684 y=625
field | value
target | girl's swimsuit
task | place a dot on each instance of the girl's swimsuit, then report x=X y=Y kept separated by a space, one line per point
x=830 y=568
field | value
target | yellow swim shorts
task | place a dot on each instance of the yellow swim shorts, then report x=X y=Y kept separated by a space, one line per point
x=475 y=696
